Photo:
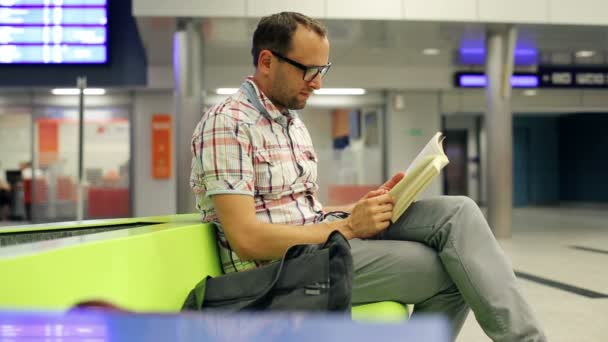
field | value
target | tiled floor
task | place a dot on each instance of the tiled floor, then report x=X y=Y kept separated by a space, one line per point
x=541 y=245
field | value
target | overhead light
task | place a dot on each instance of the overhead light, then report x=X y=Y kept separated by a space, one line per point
x=226 y=91
x=530 y=92
x=431 y=52
x=94 y=91
x=76 y=91
x=65 y=91
x=585 y=54
x=340 y=91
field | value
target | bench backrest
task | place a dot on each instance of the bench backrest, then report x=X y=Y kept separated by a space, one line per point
x=146 y=272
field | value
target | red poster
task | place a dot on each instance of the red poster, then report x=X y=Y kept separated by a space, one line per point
x=48 y=141
x=161 y=146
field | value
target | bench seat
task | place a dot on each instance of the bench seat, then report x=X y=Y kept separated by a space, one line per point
x=145 y=269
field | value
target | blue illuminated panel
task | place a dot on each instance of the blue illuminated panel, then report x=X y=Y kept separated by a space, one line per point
x=14 y=3
x=52 y=54
x=51 y=34
x=464 y=80
x=53 y=31
x=52 y=16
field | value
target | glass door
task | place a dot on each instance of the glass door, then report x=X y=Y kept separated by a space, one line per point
x=106 y=163
x=15 y=155
x=348 y=142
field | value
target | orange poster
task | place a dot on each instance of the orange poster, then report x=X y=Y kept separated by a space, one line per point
x=48 y=141
x=161 y=146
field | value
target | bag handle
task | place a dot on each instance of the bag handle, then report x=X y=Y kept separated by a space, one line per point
x=274 y=281
x=277 y=276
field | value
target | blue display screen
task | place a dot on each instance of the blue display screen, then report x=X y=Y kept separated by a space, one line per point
x=49 y=35
x=9 y=3
x=53 y=31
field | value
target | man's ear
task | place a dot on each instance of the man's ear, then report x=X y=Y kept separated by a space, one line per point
x=265 y=61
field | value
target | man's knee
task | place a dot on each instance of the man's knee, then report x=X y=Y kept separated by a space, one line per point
x=458 y=204
x=462 y=213
x=467 y=203
x=466 y=218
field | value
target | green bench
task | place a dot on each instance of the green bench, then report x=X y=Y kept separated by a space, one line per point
x=145 y=269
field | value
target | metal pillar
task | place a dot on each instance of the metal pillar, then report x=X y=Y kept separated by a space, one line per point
x=187 y=68
x=500 y=46
x=82 y=85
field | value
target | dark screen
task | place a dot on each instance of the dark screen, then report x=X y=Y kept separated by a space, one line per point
x=16 y=238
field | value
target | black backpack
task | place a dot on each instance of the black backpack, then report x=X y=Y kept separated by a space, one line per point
x=308 y=278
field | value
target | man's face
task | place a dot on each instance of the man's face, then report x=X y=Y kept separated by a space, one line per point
x=288 y=87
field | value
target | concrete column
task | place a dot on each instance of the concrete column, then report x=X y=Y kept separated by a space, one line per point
x=187 y=67
x=500 y=46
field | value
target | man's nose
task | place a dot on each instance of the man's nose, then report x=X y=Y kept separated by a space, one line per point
x=316 y=82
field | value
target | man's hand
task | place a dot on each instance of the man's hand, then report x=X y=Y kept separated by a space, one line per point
x=383 y=189
x=371 y=214
x=393 y=181
x=386 y=187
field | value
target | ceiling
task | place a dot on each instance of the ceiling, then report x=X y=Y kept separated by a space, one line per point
x=371 y=43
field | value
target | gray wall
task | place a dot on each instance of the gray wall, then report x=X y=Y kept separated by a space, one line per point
x=584 y=12
x=151 y=196
x=410 y=128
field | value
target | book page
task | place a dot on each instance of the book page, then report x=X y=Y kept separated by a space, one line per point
x=415 y=186
x=432 y=148
x=425 y=167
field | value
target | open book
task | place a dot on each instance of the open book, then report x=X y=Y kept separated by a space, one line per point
x=418 y=175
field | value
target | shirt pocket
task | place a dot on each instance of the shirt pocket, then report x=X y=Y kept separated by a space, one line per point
x=310 y=155
x=309 y=162
x=269 y=171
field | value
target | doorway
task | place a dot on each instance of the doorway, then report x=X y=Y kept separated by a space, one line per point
x=455 y=173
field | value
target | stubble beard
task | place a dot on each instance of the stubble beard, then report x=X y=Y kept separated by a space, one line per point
x=282 y=95
x=282 y=99
x=295 y=103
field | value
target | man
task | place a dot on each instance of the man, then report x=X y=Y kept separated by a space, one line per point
x=254 y=175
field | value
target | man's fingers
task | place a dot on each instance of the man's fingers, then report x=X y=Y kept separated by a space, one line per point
x=393 y=181
x=378 y=192
x=384 y=217
x=386 y=198
x=383 y=221
x=384 y=208
x=374 y=193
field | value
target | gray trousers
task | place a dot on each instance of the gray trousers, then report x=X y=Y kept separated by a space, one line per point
x=442 y=256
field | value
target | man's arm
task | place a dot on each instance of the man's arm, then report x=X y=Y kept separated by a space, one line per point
x=348 y=208
x=255 y=240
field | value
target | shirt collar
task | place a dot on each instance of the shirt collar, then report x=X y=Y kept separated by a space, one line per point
x=275 y=114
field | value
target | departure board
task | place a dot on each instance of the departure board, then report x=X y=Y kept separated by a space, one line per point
x=53 y=31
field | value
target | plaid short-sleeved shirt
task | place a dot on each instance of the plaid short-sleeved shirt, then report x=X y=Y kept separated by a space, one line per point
x=239 y=150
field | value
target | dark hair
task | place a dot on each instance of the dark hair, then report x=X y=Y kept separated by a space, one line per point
x=275 y=32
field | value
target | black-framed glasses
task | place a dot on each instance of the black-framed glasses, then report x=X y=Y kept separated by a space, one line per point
x=310 y=72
